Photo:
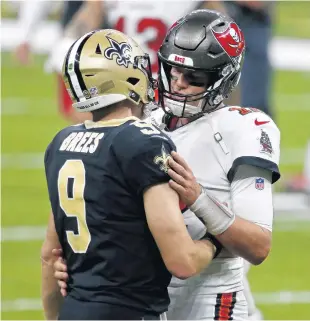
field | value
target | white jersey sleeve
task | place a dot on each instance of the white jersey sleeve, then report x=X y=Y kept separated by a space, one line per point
x=253 y=139
x=251 y=195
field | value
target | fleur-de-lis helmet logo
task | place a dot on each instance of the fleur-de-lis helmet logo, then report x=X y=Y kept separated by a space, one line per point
x=121 y=50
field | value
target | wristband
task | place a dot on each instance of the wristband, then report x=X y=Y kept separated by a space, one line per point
x=215 y=242
x=214 y=214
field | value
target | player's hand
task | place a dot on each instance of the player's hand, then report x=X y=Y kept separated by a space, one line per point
x=22 y=53
x=183 y=180
x=60 y=271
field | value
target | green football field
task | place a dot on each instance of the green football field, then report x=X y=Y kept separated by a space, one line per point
x=30 y=120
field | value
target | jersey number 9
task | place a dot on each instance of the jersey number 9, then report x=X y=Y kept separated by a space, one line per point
x=74 y=206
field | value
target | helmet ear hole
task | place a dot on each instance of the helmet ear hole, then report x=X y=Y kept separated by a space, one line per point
x=133 y=80
x=221 y=24
x=213 y=78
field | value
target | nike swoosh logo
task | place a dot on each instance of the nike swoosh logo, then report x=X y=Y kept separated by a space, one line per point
x=258 y=123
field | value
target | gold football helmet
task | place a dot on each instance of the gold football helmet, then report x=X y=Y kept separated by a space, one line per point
x=105 y=67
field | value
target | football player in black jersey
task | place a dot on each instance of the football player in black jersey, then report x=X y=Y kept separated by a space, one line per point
x=115 y=216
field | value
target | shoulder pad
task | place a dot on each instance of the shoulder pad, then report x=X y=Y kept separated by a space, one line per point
x=235 y=119
x=251 y=137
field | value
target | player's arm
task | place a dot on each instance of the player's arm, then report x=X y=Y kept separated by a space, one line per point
x=245 y=228
x=144 y=165
x=247 y=240
x=89 y=17
x=183 y=257
x=167 y=227
x=51 y=296
x=31 y=13
x=249 y=236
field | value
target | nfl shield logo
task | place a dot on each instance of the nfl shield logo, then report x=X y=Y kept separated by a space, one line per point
x=259 y=183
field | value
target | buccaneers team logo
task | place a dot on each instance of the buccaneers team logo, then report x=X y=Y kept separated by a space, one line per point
x=265 y=143
x=122 y=51
x=231 y=40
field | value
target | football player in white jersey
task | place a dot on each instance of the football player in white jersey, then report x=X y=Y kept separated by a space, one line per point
x=232 y=152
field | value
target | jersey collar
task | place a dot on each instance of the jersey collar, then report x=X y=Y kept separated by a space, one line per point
x=108 y=123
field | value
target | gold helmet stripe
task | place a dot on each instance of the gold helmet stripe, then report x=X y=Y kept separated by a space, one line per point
x=73 y=73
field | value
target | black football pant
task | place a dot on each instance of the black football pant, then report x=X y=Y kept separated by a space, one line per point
x=80 y=310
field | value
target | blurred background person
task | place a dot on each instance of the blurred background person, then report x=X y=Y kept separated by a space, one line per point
x=255 y=20
x=31 y=14
x=300 y=183
x=146 y=21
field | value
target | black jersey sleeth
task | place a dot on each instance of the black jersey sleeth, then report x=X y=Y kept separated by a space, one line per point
x=96 y=177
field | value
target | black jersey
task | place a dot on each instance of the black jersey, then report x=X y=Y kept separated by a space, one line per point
x=96 y=176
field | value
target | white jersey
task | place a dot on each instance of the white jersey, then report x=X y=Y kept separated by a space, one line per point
x=215 y=146
x=146 y=21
